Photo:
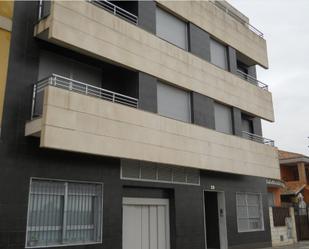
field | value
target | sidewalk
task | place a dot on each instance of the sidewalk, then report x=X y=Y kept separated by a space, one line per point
x=300 y=245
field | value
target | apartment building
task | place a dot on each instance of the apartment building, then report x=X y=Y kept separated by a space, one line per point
x=135 y=125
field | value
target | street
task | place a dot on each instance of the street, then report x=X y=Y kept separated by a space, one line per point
x=300 y=245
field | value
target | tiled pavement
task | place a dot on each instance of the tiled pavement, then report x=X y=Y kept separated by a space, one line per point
x=300 y=245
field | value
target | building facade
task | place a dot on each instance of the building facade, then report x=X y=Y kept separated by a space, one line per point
x=294 y=171
x=135 y=125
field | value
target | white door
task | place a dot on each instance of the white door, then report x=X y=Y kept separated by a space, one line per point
x=145 y=223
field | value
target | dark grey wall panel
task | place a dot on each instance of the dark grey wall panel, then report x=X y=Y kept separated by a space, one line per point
x=232 y=60
x=147 y=15
x=237 y=125
x=199 y=42
x=231 y=184
x=203 y=110
x=147 y=92
x=22 y=72
x=257 y=126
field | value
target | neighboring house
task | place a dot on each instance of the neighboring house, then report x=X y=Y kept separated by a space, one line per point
x=6 y=14
x=294 y=170
x=288 y=198
x=135 y=125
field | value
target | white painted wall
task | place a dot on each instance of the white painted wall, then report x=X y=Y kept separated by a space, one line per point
x=282 y=231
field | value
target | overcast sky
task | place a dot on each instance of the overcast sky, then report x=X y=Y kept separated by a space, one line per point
x=285 y=24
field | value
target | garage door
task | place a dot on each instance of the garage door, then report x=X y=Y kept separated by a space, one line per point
x=145 y=223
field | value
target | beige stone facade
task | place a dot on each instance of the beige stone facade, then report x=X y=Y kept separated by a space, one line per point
x=70 y=119
x=93 y=31
x=222 y=26
x=76 y=122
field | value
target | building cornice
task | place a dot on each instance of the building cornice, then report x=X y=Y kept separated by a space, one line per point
x=294 y=160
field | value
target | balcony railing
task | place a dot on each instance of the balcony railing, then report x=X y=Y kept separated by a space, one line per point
x=237 y=18
x=257 y=138
x=117 y=11
x=252 y=80
x=79 y=87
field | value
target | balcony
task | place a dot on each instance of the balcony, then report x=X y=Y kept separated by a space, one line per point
x=114 y=39
x=76 y=86
x=74 y=116
x=115 y=10
x=226 y=24
x=252 y=80
x=258 y=139
x=237 y=16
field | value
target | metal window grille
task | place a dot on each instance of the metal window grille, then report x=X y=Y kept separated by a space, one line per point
x=249 y=212
x=279 y=215
x=64 y=213
x=146 y=171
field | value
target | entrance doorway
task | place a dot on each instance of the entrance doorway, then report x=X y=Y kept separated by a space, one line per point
x=145 y=223
x=215 y=220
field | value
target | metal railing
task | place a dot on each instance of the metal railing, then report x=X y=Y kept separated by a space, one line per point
x=79 y=87
x=117 y=11
x=237 y=18
x=257 y=138
x=40 y=11
x=252 y=80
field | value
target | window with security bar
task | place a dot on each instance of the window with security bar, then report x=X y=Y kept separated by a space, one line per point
x=64 y=213
x=249 y=212
x=148 y=171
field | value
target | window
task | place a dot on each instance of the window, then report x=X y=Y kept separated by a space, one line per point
x=223 y=118
x=64 y=213
x=242 y=67
x=173 y=102
x=247 y=123
x=147 y=171
x=218 y=54
x=249 y=212
x=171 y=28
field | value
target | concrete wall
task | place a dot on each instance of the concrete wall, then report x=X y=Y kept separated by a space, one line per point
x=91 y=30
x=280 y=235
x=69 y=119
x=222 y=26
